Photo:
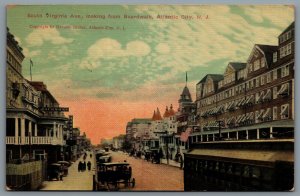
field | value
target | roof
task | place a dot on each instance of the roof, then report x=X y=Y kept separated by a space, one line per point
x=185 y=95
x=140 y=120
x=214 y=77
x=288 y=28
x=156 y=115
x=115 y=163
x=40 y=86
x=268 y=50
x=238 y=65
x=251 y=155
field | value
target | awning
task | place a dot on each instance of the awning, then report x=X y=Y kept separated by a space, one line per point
x=267 y=113
x=230 y=121
x=268 y=95
x=260 y=97
x=250 y=99
x=260 y=115
x=284 y=89
x=231 y=106
x=285 y=110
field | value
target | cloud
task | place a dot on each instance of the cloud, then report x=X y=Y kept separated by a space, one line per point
x=38 y=36
x=109 y=49
x=31 y=53
x=162 y=48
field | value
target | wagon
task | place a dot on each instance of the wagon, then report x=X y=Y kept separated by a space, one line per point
x=114 y=174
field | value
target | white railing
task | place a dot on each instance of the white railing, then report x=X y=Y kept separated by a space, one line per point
x=40 y=140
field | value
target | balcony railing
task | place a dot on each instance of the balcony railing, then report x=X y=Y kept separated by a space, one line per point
x=35 y=140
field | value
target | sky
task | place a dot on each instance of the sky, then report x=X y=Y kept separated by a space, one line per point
x=109 y=76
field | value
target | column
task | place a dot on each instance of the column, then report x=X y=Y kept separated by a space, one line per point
x=35 y=129
x=16 y=130
x=247 y=136
x=22 y=130
x=257 y=134
x=237 y=135
x=227 y=134
x=213 y=137
x=271 y=132
x=54 y=129
x=30 y=132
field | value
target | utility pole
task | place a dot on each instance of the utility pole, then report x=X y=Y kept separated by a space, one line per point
x=167 y=144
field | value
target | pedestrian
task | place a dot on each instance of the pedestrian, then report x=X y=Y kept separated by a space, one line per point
x=84 y=166
x=89 y=164
x=79 y=166
x=181 y=161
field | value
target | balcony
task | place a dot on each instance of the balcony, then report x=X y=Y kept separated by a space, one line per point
x=39 y=140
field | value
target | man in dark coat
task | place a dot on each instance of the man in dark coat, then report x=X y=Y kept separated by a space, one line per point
x=89 y=164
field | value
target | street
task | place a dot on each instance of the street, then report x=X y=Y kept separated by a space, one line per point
x=148 y=176
x=151 y=177
x=75 y=180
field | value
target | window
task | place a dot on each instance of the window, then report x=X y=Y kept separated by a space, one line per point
x=275 y=75
x=274 y=113
x=275 y=92
x=285 y=71
x=284 y=114
x=262 y=80
x=269 y=77
x=251 y=84
x=262 y=62
x=256 y=64
x=257 y=97
x=274 y=57
x=250 y=68
x=257 y=82
x=285 y=50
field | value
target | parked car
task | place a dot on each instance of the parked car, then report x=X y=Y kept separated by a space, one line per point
x=65 y=166
x=55 y=171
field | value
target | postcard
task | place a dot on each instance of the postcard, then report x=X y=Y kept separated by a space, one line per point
x=150 y=97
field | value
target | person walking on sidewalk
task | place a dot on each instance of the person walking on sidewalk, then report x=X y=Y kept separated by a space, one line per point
x=79 y=166
x=181 y=161
x=89 y=164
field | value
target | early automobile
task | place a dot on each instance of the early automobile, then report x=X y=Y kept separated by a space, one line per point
x=65 y=165
x=114 y=174
x=55 y=171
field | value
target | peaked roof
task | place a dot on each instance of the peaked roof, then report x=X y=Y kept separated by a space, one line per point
x=185 y=95
x=288 y=28
x=268 y=51
x=214 y=77
x=166 y=114
x=40 y=86
x=171 y=111
x=238 y=65
x=156 y=115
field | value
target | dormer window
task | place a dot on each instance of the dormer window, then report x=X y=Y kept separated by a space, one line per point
x=274 y=57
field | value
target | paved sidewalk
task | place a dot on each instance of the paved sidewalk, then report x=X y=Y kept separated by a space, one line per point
x=171 y=162
x=74 y=180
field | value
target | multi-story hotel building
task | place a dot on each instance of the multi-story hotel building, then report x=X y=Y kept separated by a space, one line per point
x=34 y=130
x=252 y=100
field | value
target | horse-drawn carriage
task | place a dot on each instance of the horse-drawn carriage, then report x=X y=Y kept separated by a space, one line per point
x=112 y=175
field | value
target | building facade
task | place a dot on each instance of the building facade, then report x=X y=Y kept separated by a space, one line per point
x=252 y=100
